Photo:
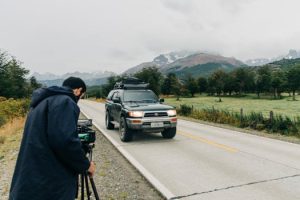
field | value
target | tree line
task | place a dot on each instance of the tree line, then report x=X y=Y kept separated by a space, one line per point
x=265 y=79
x=13 y=81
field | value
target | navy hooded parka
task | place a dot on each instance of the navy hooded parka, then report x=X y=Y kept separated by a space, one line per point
x=50 y=156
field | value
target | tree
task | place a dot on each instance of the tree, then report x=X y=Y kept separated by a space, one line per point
x=202 y=84
x=263 y=80
x=13 y=83
x=152 y=76
x=217 y=81
x=178 y=89
x=191 y=85
x=230 y=84
x=293 y=76
x=278 y=82
x=111 y=81
x=169 y=83
x=244 y=80
x=33 y=83
x=4 y=84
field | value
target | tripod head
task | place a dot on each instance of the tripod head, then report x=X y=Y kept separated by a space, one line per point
x=86 y=134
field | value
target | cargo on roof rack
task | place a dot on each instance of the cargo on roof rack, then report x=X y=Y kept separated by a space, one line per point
x=131 y=83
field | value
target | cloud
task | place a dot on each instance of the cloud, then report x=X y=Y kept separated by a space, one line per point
x=184 y=7
x=114 y=35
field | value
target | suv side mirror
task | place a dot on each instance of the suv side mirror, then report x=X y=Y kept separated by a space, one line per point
x=117 y=100
x=161 y=100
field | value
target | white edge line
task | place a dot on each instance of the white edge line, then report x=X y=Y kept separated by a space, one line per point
x=158 y=185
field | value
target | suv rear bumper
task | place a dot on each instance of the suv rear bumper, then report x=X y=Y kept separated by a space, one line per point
x=146 y=124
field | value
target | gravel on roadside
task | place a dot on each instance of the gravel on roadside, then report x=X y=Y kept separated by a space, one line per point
x=115 y=177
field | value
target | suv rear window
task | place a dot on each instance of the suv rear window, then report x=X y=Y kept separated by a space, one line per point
x=140 y=95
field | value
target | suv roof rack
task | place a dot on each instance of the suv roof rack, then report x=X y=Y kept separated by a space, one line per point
x=131 y=83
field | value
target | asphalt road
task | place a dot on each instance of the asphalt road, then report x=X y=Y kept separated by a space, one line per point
x=206 y=162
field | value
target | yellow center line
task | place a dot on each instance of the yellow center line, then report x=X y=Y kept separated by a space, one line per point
x=201 y=139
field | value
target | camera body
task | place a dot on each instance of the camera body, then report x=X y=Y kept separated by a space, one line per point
x=85 y=133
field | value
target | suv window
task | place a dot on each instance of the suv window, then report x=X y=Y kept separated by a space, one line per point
x=115 y=95
x=109 y=96
x=140 y=95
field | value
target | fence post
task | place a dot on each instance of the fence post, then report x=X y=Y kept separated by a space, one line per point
x=271 y=116
x=242 y=113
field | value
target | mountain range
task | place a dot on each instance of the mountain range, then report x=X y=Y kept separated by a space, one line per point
x=83 y=75
x=93 y=78
x=293 y=54
x=184 y=63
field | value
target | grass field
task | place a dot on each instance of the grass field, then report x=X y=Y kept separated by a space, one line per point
x=250 y=103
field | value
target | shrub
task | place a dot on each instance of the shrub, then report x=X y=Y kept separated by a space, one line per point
x=2 y=120
x=2 y=139
x=284 y=125
x=280 y=124
x=2 y=98
x=185 y=110
x=12 y=108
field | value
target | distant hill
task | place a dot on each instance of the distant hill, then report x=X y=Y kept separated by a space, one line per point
x=193 y=63
x=286 y=63
x=95 y=78
x=89 y=82
x=83 y=75
x=201 y=64
x=293 y=54
x=160 y=61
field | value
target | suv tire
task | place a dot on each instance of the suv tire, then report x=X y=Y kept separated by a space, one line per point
x=108 y=123
x=125 y=132
x=169 y=133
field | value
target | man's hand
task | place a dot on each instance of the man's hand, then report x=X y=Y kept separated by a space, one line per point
x=92 y=168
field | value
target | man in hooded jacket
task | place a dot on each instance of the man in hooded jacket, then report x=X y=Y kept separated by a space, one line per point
x=50 y=156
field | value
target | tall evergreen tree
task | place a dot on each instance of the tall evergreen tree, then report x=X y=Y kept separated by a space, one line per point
x=13 y=83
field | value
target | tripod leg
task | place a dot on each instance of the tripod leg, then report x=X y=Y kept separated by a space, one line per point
x=94 y=188
x=87 y=186
x=82 y=187
x=77 y=186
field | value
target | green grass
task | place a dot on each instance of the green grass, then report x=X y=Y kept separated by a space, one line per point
x=249 y=103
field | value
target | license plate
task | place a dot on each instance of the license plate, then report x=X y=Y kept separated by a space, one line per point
x=157 y=124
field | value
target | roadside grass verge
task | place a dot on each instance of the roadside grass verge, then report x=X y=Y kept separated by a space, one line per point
x=10 y=136
x=10 y=140
x=12 y=117
x=249 y=103
x=12 y=108
x=283 y=125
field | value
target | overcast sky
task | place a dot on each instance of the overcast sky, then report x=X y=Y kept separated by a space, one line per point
x=62 y=36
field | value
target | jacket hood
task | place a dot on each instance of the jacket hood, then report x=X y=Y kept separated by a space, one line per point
x=43 y=93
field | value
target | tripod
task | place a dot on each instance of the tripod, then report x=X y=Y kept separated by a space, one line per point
x=84 y=177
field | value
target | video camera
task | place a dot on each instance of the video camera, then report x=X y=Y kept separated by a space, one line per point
x=87 y=137
x=86 y=134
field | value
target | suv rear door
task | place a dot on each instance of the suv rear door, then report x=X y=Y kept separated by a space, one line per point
x=116 y=107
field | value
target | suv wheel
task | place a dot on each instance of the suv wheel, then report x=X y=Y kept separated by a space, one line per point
x=125 y=132
x=169 y=133
x=108 y=123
